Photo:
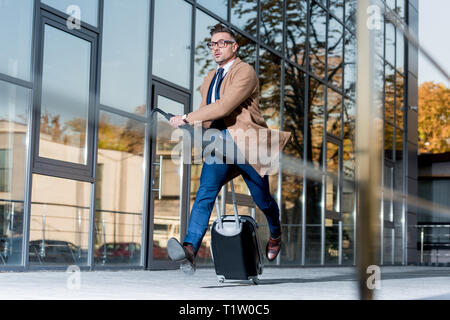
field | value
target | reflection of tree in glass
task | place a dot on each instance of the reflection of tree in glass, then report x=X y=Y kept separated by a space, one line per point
x=434 y=118
x=128 y=138
x=296 y=23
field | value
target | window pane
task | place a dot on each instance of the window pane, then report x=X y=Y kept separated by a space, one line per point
x=65 y=97
x=335 y=40
x=332 y=200
x=203 y=58
x=390 y=43
x=125 y=55
x=350 y=13
x=14 y=106
x=16 y=25
x=296 y=23
x=316 y=122
x=389 y=93
x=317 y=39
x=399 y=100
x=269 y=83
x=119 y=190
x=271 y=29
x=88 y=9
x=218 y=7
x=59 y=224
x=334 y=108
x=337 y=8
x=314 y=156
x=400 y=49
x=172 y=44
x=331 y=241
x=294 y=110
x=247 y=50
x=350 y=65
x=389 y=142
x=244 y=15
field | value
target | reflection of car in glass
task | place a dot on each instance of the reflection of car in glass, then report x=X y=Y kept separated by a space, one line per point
x=119 y=251
x=55 y=251
x=11 y=250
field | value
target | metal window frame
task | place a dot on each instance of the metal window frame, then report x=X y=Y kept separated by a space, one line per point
x=53 y=167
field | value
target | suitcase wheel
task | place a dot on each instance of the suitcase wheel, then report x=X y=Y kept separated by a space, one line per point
x=221 y=279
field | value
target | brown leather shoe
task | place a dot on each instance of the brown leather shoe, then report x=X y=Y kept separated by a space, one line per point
x=273 y=248
x=188 y=265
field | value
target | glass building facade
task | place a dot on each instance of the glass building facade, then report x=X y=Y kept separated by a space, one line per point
x=87 y=175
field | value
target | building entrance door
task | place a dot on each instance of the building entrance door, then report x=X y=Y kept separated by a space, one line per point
x=169 y=177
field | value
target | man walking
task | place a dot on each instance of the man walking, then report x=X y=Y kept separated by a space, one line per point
x=230 y=103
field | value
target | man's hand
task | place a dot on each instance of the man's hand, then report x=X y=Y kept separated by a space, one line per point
x=176 y=121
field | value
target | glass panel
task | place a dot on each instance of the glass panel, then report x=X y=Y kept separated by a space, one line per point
x=317 y=40
x=337 y=8
x=335 y=40
x=167 y=204
x=390 y=43
x=314 y=154
x=247 y=50
x=14 y=104
x=59 y=223
x=316 y=122
x=294 y=110
x=16 y=28
x=399 y=100
x=400 y=50
x=296 y=23
x=348 y=222
x=292 y=242
x=292 y=184
x=332 y=196
x=350 y=65
x=125 y=55
x=331 y=242
x=218 y=7
x=204 y=61
x=65 y=97
x=271 y=25
x=244 y=15
x=350 y=13
x=348 y=166
x=119 y=190
x=88 y=9
x=269 y=83
x=389 y=93
x=388 y=141
x=398 y=205
x=334 y=108
x=172 y=44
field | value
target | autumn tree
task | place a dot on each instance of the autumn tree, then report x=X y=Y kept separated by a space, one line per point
x=434 y=118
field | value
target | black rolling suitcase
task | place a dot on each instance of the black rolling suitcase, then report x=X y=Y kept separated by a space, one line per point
x=235 y=247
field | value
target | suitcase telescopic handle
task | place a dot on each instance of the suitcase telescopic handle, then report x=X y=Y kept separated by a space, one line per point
x=236 y=214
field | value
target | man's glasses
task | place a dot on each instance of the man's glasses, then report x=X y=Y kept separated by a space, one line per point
x=221 y=43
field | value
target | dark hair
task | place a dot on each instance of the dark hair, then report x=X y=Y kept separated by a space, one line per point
x=221 y=28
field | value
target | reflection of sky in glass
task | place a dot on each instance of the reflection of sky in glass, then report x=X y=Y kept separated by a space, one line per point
x=244 y=15
x=271 y=26
x=14 y=102
x=218 y=7
x=125 y=55
x=317 y=39
x=88 y=8
x=203 y=59
x=65 y=84
x=171 y=44
x=16 y=19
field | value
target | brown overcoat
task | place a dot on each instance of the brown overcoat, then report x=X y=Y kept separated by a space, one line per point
x=239 y=108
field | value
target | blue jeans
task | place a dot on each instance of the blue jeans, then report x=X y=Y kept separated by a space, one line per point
x=212 y=178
